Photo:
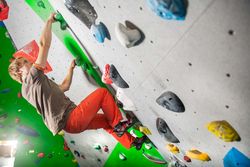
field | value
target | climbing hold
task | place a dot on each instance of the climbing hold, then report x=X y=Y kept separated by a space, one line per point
x=50 y=155
x=19 y=95
x=27 y=131
x=83 y=157
x=100 y=32
x=17 y=120
x=195 y=154
x=31 y=151
x=72 y=142
x=79 y=61
x=40 y=155
x=66 y=154
x=77 y=153
x=186 y=158
x=174 y=149
x=74 y=160
x=170 y=101
x=105 y=148
x=170 y=10
x=40 y=4
x=65 y=146
x=63 y=24
x=3 y=116
x=165 y=131
x=234 y=158
x=148 y=146
x=4 y=91
x=4 y=11
x=126 y=36
x=61 y=133
x=122 y=156
x=116 y=78
x=99 y=160
x=106 y=75
x=97 y=147
x=125 y=100
x=19 y=110
x=144 y=130
x=153 y=158
x=223 y=130
x=83 y=10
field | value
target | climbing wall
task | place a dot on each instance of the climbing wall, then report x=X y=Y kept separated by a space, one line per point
x=203 y=59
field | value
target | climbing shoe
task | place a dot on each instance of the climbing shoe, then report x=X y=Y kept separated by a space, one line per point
x=138 y=142
x=122 y=127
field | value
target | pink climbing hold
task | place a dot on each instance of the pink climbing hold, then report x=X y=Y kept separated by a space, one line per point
x=106 y=75
x=26 y=141
x=40 y=155
x=17 y=120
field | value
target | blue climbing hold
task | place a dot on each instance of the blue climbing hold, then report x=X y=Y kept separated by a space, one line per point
x=234 y=158
x=169 y=9
x=2 y=24
x=100 y=32
x=4 y=91
x=27 y=131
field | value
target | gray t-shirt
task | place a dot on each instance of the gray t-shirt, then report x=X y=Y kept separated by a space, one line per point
x=46 y=96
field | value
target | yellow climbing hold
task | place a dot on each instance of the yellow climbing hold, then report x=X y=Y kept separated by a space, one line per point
x=74 y=161
x=61 y=133
x=174 y=149
x=195 y=154
x=223 y=130
x=144 y=130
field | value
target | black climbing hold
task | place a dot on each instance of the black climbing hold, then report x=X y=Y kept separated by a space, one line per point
x=170 y=101
x=228 y=75
x=66 y=155
x=50 y=155
x=231 y=32
x=77 y=153
x=116 y=78
x=83 y=10
x=3 y=116
x=165 y=131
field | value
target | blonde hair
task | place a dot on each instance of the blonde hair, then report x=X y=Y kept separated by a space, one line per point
x=14 y=68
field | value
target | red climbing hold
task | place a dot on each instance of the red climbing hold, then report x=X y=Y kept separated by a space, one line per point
x=19 y=95
x=17 y=120
x=106 y=75
x=105 y=148
x=40 y=155
x=187 y=159
x=65 y=147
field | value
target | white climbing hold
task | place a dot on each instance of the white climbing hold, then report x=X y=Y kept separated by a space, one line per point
x=148 y=146
x=126 y=36
x=122 y=156
x=132 y=132
x=127 y=102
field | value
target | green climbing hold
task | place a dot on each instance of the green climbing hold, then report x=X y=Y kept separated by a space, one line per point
x=63 y=23
x=97 y=147
x=41 y=4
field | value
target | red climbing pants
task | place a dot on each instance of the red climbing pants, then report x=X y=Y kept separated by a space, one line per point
x=85 y=116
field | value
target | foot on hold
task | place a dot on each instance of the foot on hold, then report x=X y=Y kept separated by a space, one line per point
x=83 y=10
x=165 y=131
x=171 y=10
x=116 y=78
x=126 y=36
x=138 y=142
x=171 y=101
x=122 y=127
x=223 y=130
x=100 y=32
x=195 y=154
x=106 y=75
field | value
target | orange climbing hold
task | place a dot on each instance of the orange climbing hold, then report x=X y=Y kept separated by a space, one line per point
x=196 y=154
x=223 y=130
